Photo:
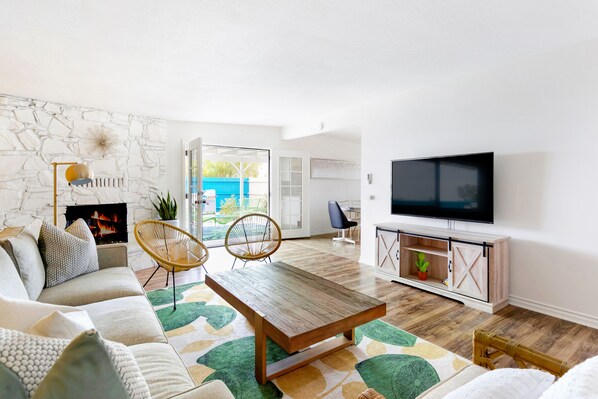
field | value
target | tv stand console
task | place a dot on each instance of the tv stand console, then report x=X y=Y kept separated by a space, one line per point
x=468 y=267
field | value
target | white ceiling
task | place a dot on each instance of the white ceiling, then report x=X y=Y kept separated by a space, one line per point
x=270 y=62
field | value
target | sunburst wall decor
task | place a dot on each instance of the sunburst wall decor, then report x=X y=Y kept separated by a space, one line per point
x=103 y=139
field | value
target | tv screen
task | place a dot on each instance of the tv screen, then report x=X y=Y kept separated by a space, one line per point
x=459 y=187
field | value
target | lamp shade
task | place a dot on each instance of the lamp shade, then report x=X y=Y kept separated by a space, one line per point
x=79 y=174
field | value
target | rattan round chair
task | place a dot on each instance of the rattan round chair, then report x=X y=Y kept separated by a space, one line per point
x=172 y=248
x=253 y=237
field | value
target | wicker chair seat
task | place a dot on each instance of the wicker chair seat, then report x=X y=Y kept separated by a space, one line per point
x=172 y=248
x=254 y=236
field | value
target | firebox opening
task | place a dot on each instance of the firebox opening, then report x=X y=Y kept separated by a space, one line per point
x=107 y=222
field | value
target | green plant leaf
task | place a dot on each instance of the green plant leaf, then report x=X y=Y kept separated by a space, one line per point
x=398 y=376
x=240 y=354
x=380 y=331
x=243 y=385
x=163 y=296
x=186 y=313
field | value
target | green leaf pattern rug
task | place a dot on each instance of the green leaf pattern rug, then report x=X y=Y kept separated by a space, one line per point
x=216 y=342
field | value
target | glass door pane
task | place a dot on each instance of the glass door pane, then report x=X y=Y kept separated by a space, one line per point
x=193 y=195
x=292 y=170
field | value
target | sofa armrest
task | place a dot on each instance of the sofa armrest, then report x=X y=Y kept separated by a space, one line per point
x=112 y=255
x=208 y=390
x=488 y=346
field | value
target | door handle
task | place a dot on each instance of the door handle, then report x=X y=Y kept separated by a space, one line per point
x=397 y=254
x=450 y=264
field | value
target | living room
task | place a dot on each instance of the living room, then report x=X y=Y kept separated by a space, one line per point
x=103 y=104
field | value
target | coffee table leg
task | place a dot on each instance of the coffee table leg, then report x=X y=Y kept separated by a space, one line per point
x=260 y=349
x=350 y=335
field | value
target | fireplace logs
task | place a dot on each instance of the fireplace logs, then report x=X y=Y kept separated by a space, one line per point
x=107 y=222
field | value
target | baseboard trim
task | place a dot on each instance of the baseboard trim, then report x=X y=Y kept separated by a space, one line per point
x=550 y=310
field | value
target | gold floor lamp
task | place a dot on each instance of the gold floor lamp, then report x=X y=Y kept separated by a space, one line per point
x=77 y=174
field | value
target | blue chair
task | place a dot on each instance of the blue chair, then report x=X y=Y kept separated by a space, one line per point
x=339 y=221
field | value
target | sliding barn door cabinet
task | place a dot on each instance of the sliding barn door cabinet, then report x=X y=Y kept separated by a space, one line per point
x=467 y=267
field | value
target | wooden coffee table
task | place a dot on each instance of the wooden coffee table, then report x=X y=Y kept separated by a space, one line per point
x=296 y=309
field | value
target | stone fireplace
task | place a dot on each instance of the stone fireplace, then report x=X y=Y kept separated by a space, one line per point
x=107 y=222
x=34 y=133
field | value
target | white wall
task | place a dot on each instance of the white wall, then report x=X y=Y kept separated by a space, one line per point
x=540 y=117
x=267 y=137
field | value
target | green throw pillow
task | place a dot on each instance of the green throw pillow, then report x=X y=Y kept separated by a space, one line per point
x=10 y=384
x=84 y=369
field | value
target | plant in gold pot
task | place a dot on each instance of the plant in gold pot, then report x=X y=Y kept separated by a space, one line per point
x=422 y=266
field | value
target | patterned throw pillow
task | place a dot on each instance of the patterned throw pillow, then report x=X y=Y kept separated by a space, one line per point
x=69 y=253
x=59 y=368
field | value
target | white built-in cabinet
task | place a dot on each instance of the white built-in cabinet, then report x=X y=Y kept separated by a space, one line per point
x=468 y=267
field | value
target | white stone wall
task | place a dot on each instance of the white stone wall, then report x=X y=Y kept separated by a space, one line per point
x=34 y=133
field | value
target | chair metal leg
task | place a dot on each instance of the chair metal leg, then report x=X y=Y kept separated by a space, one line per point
x=344 y=238
x=173 y=289
x=167 y=276
x=270 y=259
x=148 y=280
x=235 y=261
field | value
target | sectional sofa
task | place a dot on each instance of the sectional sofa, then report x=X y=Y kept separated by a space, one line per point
x=120 y=311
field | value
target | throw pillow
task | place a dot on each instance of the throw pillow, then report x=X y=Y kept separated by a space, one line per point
x=10 y=384
x=84 y=366
x=69 y=253
x=32 y=359
x=62 y=325
x=22 y=314
x=25 y=254
x=505 y=384
x=10 y=282
x=579 y=382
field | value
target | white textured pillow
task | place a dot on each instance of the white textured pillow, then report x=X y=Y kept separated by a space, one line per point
x=62 y=325
x=505 y=384
x=67 y=253
x=578 y=383
x=22 y=314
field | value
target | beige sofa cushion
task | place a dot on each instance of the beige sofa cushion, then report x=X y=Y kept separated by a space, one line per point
x=458 y=379
x=25 y=255
x=10 y=282
x=209 y=390
x=163 y=370
x=128 y=320
x=115 y=282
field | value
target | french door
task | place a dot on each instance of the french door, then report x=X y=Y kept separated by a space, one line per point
x=192 y=187
x=290 y=177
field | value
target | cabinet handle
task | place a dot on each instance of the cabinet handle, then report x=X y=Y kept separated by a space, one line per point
x=397 y=255
x=450 y=264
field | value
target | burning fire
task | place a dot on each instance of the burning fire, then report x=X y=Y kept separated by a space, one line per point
x=104 y=224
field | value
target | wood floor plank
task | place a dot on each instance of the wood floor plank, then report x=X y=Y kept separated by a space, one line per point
x=439 y=320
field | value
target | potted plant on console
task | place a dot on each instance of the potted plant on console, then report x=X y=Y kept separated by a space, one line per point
x=422 y=266
x=167 y=209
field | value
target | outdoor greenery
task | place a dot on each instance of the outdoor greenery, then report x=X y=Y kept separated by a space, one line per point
x=166 y=207
x=229 y=206
x=229 y=169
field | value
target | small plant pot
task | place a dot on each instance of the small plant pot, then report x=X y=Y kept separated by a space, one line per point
x=422 y=275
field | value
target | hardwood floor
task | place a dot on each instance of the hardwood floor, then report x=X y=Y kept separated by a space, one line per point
x=444 y=322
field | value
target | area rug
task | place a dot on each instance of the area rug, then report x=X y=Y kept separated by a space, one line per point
x=217 y=343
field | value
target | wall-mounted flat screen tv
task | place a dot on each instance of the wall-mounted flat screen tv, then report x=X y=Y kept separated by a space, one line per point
x=459 y=187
